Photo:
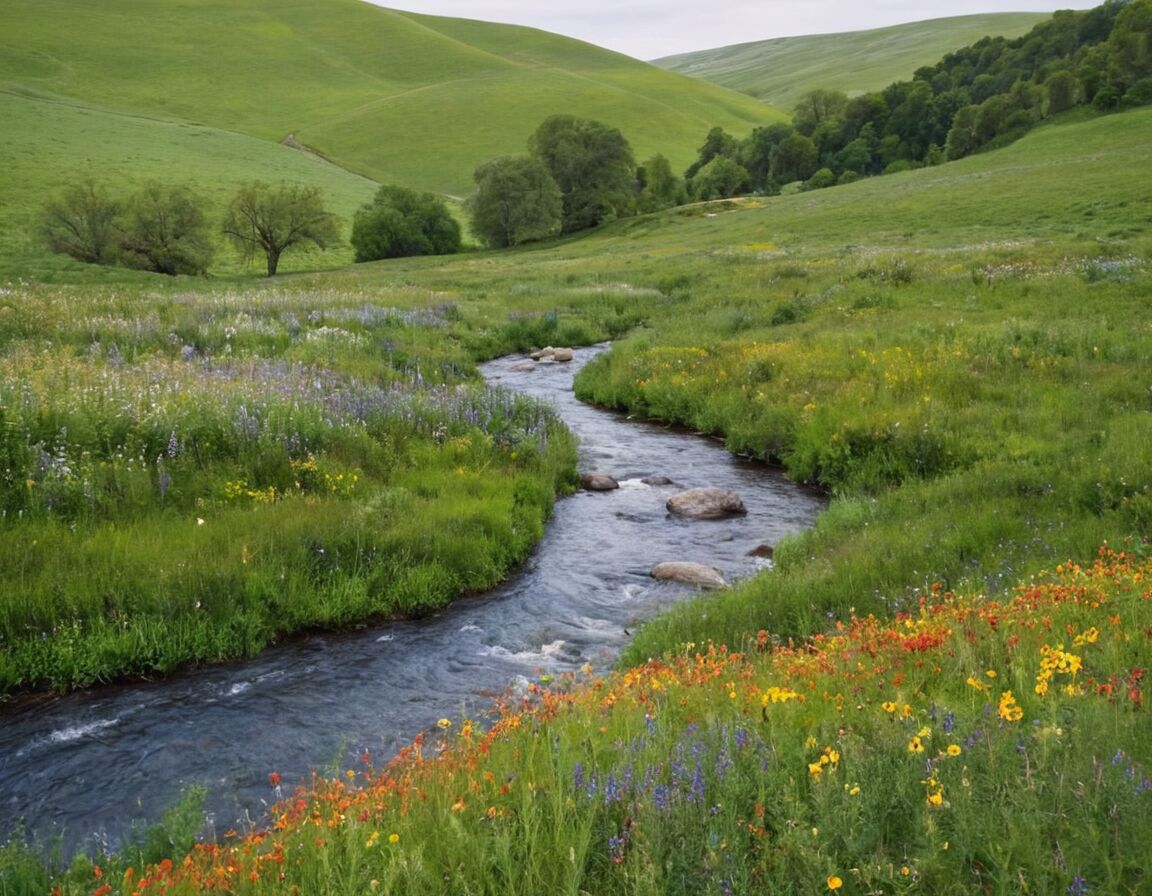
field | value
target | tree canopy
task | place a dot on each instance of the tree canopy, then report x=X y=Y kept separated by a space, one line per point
x=516 y=201
x=400 y=222
x=84 y=222
x=272 y=219
x=592 y=164
x=166 y=231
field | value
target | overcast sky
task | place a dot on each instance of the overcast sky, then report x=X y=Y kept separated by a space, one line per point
x=649 y=29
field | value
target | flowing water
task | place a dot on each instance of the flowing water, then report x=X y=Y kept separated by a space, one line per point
x=84 y=766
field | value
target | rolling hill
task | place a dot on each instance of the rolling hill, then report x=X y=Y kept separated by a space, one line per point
x=393 y=96
x=780 y=71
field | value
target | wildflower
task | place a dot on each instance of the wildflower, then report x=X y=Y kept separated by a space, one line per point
x=1009 y=711
x=393 y=839
x=444 y=724
x=889 y=706
x=372 y=840
x=916 y=745
x=834 y=882
x=954 y=750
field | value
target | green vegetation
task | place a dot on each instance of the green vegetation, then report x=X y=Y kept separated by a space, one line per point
x=972 y=745
x=982 y=96
x=269 y=220
x=780 y=71
x=401 y=222
x=191 y=476
x=114 y=92
x=925 y=694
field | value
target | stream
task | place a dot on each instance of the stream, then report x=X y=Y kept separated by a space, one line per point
x=84 y=767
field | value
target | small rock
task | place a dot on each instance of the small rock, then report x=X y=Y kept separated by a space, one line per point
x=656 y=480
x=598 y=482
x=543 y=353
x=689 y=574
x=707 y=503
x=764 y=551
x=523 y=367
x=563 y=354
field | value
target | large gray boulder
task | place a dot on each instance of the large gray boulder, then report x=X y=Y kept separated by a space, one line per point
x=689 y=574
x=708 y=503
x=598 y=482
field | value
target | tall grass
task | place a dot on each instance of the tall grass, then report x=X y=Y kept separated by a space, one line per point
x=967 y=745
x=190 y=484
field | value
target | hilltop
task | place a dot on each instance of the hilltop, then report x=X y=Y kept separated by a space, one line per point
x=781 y=70
x=393 y=96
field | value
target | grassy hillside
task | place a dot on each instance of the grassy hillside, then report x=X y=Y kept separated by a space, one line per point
x=940 y=688
x=780 y=71
x=49 y=143
x=394 y=96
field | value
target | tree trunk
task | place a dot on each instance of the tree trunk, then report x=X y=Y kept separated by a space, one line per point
x=273 y=261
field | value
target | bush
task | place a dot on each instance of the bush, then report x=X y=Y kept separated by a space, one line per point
x=401 y=222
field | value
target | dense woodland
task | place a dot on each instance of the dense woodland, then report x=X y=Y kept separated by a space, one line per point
x=979 y=97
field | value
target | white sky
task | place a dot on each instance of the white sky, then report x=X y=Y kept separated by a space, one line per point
x=649 y=29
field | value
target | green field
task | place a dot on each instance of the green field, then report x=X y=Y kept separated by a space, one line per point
x=780 y=71
x=938 y=688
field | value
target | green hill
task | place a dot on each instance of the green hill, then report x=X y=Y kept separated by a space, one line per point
x=780 y=71
x=394 y=96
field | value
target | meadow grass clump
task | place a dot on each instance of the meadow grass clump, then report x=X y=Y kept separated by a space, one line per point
x=964 y=744
x=177 y=487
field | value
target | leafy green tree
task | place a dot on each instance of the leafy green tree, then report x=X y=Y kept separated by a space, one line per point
x=1131 y=41
x=1063 y=91
x=593 y=166
x=795 y=158
x=816 y=107
x=856 y=156
x=400 y=222
x=718 y=143
x=166 y=231
x=84 y=222
x=516 y=201
x=756 y=152
x=721 y=178
x=962 y=138
x=822 y=179
x=659 y=186
x=273 y=219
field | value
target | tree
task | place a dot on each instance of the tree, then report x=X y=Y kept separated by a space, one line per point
x=962 y=138
x=273 y=219
x=1063 y=91
x=721 y=178
x=718 y=143
x=400 y=222
x=795 y=158
x=516 y=201
x=166 y=231
x=659 y=187
x=757 y=149
x=593 y=166
x=82 y=222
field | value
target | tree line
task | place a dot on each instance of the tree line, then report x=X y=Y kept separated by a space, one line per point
x=980 y=97
x=167 y=229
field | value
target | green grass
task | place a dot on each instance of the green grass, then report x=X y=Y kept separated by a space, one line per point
x=960 y=355
x=50 y=143
x=393 y=96
x=780 y=71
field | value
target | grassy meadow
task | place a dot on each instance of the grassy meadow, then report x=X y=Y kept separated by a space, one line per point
x=780 y=71
x=939 y=688
x=398 y=97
